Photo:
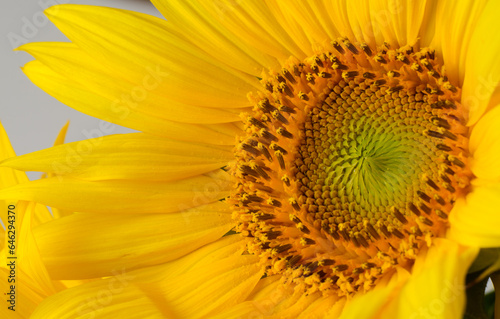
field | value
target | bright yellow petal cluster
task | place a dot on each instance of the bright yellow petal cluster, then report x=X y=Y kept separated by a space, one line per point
x=22 y=268
x=152 y=231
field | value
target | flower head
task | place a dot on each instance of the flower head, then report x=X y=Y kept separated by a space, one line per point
x=298 y=159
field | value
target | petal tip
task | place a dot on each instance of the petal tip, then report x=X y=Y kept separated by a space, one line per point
x=55 y=10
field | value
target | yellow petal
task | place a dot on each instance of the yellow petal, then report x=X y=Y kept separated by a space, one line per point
x=454 y=29
x=94 y=245
x=386 y=18
x=321 y=307
x=213 y=278
x=271 y=299
x=308 y=23
x=2 y=240
x=8 y=176
x=118 y=196
x=436 y=287
x=61 y=136
x=147 y=93
x=155 y=57
x=253 y=23
x=112 y=298
x=29 y=259
x=474 y=220
x=484 y=144
x=398 y=23
x=57 y=213
x=245 y=309
x=228 y=130
x=360 y=22
x=41 y=214
x=113 y=110
x=339 y=13
x=32 y=282
x=129 y=156
x=209 y=34
x=371 y=304
x=482 y=77
x=217 y=286
x=198 y=285
x=262 y=302
x=413 y=15
x=26 y=299
x=428 y=26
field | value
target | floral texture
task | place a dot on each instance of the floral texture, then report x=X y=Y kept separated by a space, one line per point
x=295 y=159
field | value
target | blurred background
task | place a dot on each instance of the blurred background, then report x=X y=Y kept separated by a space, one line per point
x=31 y=117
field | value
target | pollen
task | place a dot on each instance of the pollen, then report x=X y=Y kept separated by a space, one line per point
x=350 y=164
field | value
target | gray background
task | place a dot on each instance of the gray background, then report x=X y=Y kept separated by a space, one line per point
x=31 y=117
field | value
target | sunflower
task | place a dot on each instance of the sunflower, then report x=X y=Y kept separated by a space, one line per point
x=296 y=159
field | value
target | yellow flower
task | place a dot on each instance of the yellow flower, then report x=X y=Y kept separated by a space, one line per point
x=347 y=150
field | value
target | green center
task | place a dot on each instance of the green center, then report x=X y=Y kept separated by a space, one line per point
x=378 y=169
x=371 y=155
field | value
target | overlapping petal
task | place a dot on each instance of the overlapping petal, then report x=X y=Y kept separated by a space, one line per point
x=212 y=37
x=202 y=283
x=26 y=277
x=454 y=29
x=479 y=228
x=482 y=78
x=97 y=243
x=181 y=67
x=399 y=23
x=140 y=156
x=306 y=22
x=147 y=93
x=251 y=22
x=118 y=111
x=123 y=196
x=8 y=176
x=485 y=147
x=444 y=265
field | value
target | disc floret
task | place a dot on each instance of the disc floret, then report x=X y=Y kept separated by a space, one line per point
x=351 y=162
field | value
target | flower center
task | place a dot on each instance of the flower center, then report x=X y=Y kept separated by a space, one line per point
x=351 y=162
